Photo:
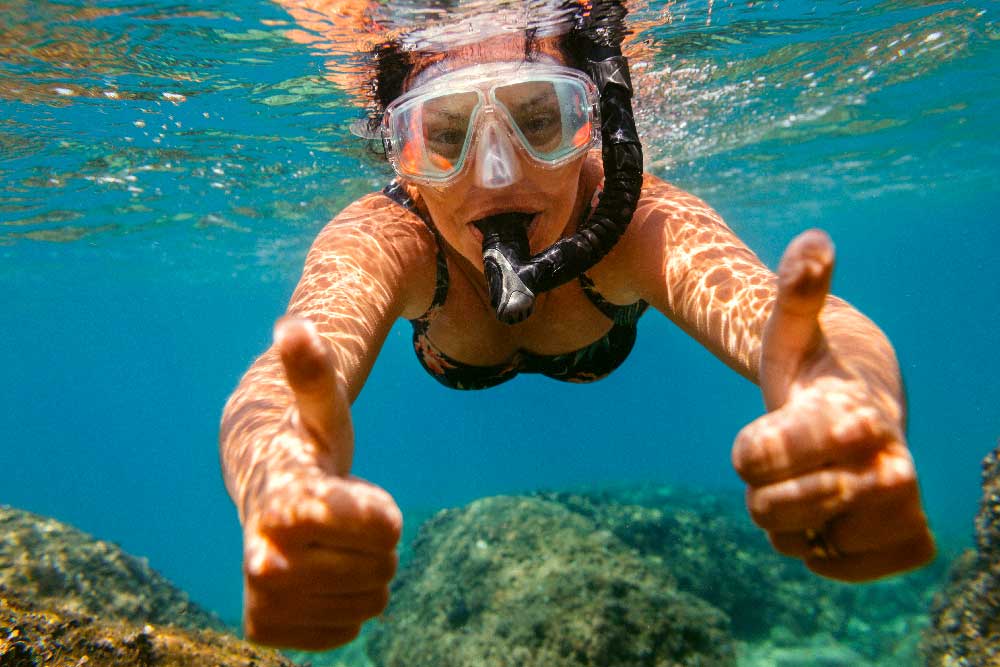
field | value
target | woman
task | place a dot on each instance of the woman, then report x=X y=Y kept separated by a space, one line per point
x=491 y=145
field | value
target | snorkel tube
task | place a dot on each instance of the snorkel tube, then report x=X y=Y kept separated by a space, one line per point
x=515 y=277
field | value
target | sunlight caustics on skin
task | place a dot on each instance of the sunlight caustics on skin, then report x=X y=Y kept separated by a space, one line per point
x=330 y=294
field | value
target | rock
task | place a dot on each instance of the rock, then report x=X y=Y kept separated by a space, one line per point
x=689 y=542
x=67 y=599
x=965 y=616
x=53 y=564
x=526 y=582
x=711 y=548
x=35 y=636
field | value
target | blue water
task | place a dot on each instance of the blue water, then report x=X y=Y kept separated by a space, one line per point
x=148 y=242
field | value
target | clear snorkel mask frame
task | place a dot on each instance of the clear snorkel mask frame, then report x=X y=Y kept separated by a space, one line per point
x=494 y=141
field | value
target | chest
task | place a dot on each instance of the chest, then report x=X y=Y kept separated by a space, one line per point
x=465 y=327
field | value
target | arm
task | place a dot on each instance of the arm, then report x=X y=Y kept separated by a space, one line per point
x=287 y=442
x=696 y=271
x=827 y=468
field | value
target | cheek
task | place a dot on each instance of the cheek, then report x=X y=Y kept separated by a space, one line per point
x=561 y=183
x=559 y=188
x=445 y=211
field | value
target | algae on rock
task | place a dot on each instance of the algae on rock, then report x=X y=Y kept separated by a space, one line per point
x=710 y=547
x=638 y=575
x=35 y=636
x=965 y=617
x=526 y=582
x=50 y=562
x=67 y=599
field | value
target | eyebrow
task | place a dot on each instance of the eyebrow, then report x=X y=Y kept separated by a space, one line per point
x=446 y=113
x=539 y=98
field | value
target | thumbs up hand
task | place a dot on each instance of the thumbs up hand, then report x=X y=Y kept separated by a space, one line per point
x=318 y=543
x=829 y=476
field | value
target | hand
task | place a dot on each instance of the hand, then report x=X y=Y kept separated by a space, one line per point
x=319 y=545
x=828 y=472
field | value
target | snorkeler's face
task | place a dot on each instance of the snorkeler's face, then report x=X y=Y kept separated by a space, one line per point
x=501 y=175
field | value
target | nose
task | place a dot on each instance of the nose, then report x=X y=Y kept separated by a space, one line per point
x=497 y=165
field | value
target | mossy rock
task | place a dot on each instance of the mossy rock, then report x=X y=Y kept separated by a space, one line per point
x=965 y=616
x=526 y=582
x=37 y=636
x=54 y=564
x=708 y=544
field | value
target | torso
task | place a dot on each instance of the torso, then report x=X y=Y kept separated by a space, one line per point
x=565 y=322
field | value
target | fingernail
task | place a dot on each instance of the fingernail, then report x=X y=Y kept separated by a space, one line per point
x=281 y=330
x=285 y=326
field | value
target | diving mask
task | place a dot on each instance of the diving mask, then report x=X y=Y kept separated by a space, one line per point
x=549 y=111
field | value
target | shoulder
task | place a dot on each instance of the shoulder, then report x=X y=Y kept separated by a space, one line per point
x=664 y=214
x=383 y=242
x=375 y=216
x=665 y=207
x=671 y=228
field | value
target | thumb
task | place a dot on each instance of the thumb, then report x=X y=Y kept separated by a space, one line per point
x=311 y=370
x=793 y=331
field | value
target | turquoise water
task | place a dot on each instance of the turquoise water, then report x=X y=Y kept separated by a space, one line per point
x=163 y=169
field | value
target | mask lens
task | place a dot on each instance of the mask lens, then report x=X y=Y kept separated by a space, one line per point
x=552 y=117
x=432 y=135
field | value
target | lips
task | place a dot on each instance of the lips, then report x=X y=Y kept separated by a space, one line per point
x=524 y=219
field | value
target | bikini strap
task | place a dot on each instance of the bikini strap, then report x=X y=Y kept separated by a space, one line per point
x=397 y=193
x=626 y=315
x=621 y=315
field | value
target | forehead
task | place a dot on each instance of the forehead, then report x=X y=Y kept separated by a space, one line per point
x=506 y=48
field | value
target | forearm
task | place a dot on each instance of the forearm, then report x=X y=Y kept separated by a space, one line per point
x=851 y=342
x=253 y=416
x=727 y=311
x=702 y=276
x=352 y=290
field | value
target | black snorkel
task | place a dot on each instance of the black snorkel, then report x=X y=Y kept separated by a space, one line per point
x=515 y=277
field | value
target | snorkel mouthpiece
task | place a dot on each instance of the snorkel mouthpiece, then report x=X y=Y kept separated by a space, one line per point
x=505 y=251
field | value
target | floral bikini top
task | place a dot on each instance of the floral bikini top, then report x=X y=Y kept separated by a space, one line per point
x=587 y=364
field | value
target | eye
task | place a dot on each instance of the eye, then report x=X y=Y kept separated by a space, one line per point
x=449 y=135
x=539 y=123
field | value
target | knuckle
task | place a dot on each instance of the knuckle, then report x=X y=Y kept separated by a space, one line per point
x=269 y=515
x=836 y=492
x=257 y=630
x=783 y=544
x=383 y=520
x=896 y=473
x=741 y=450
x=760 y=506
x=756 y=450
x=394 y=523
x=349 y=634
x=385 y=567
x=378 y=601
x=262 y=563
x=258 y=578
x=843 y=487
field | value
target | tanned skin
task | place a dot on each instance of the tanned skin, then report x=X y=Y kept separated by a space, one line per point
x=829 y=455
